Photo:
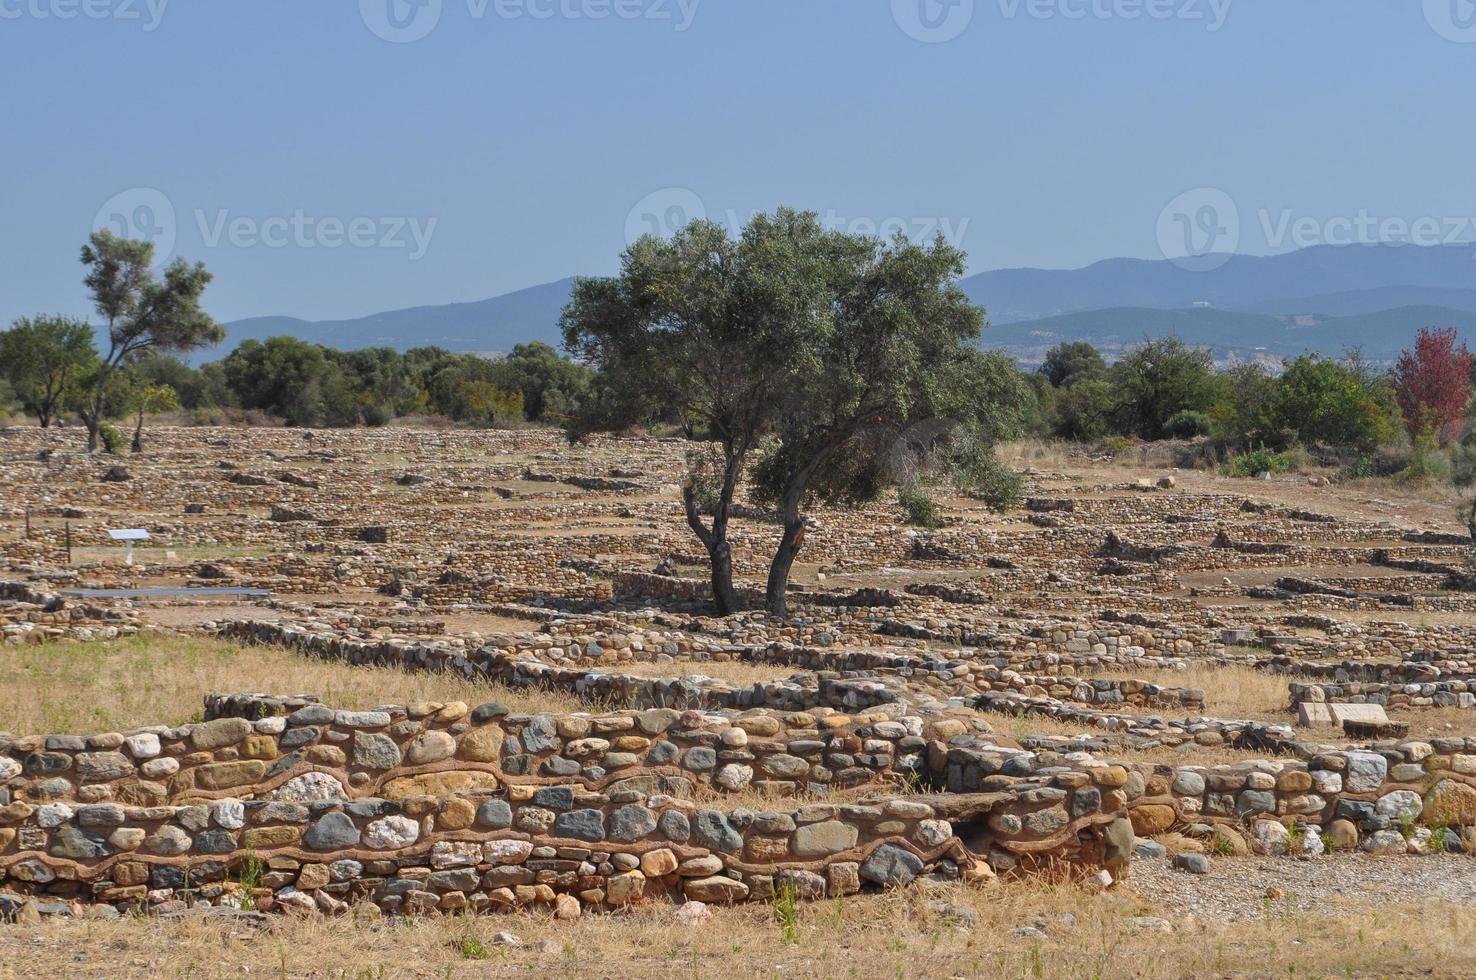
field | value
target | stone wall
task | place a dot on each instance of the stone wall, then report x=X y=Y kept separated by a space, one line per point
x=443 y=806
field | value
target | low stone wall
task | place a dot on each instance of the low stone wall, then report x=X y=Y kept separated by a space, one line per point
x=1446 y=694
x=441 y=807
x=30 y=615
x=255 y=746
x=555 y=846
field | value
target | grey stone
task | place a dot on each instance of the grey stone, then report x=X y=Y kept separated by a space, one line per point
x=540 y=734
x=215 y=842
x=580 y=824
x=555 y=797
x=1195 y=864
x=1366 y=772
x=661 y=753
x=375 y=751
x=78 y=844
x=495 y=814
x=219 y=733
x=675 y=826
x=891 y=865
x=631 y=823
x=102 y=767
x=826 y=837
x=713 y=831
x=699 y=758
x=331 y=832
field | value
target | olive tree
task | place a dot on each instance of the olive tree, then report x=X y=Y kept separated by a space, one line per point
x=824 y=354
x=698 y=329
x=42 y=357
x=142 y=311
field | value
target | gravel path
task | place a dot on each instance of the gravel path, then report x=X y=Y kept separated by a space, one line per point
x=1237 y=889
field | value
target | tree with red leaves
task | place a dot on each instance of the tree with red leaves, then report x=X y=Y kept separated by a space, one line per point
x=1432 y=383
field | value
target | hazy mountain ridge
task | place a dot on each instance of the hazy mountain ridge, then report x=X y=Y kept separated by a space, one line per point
x=1324 y=298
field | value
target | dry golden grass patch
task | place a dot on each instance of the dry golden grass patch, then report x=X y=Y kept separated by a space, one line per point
x=1229 y=692
x=913 y=933
x=737 y=673
x=162 y=679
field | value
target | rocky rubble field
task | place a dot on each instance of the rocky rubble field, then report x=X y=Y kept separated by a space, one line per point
x=1191 y=691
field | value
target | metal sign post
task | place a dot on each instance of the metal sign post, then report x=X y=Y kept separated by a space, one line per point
x=129 y=535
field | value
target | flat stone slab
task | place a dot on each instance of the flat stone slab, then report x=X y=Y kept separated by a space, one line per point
x=1358 y=712
x=1314 y=714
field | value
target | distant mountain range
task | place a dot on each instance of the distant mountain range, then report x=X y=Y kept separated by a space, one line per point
x=489 y=326
x=1324 y=299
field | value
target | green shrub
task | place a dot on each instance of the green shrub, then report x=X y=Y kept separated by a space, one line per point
x=1187 y=425
x=1425 y=461
x=1258 y=461
x=379 y=414
x=921 y=509
x=999 y=486
x=980 y=474
x=1117 y=444
x=1361 y=468
x=112 y=439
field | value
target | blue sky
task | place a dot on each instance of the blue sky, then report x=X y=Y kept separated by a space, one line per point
x=321 y=170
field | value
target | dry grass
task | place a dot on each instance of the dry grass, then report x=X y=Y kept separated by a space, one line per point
x=1229 y=692
x=1188 y=754
x=1434 y=722
x=900 y=934
x=162 y=679
x=736 y=673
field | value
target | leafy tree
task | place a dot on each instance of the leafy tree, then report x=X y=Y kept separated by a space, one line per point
x=902 y=366
x=1038 y=413
x=841 y=352
x=1085 y=410
x=42 y=358
x=550 y=384
x=1244 y=411
x=703 y=329
x=1158 y=380
x=149 y=399
x=142 y=311
x=1070 y=362
x=1187 y=425
x=980 y=473
x=1432 y=382
x=1325 y=401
